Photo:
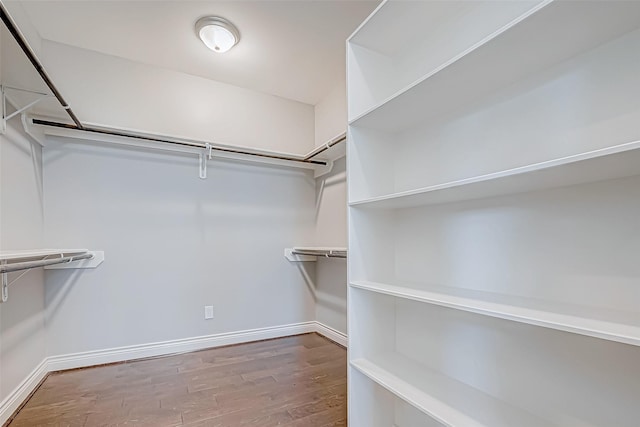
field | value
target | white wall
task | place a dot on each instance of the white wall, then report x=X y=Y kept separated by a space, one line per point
x=173 y=243
x=331 y=215
x=22 y=329
x=331 y=114
x=116 y=92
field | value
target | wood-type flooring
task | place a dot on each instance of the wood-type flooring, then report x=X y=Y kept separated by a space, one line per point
x=293 y=381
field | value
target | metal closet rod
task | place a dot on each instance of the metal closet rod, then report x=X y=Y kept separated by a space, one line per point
x=327 y=254
x=36 y=64
x=8 y=268
x=325 y=147
x=168 y=141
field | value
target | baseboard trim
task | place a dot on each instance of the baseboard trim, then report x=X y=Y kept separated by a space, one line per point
x=21 y=393
x=120 y=354
x=333 y=334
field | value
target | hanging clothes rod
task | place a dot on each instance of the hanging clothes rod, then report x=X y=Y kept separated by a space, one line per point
x=326 y=146
x=174 y=142
x=36 y=64
x=321 y=253
x=26 y=265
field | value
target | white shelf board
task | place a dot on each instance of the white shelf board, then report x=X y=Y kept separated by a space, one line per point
x=66 y=136
x=448 y=401
x=310 y=249
x=612 y=325
x=319 y=248
x=618 y=161
x=544 y=36
x=95 y=261
x=28 y=254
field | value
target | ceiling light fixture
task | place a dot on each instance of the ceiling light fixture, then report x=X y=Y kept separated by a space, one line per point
x=217 y=33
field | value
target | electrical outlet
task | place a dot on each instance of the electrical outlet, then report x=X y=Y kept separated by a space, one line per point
x=208 y=312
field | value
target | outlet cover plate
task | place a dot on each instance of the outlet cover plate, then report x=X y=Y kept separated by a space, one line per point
x=208 y=312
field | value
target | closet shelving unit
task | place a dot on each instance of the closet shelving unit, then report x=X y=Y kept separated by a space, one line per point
x=492 y=210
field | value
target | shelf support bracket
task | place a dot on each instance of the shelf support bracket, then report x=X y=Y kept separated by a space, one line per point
x=19 y=110
x=207 y=154
x=203 y=166
x=5 y=285
x=323 y=169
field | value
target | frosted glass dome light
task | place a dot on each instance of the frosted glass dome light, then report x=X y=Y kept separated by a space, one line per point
x=217 y=33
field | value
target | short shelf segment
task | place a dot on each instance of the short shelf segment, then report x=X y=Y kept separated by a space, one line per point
x=300 y=253
x=448 y=401
x=618 y=161
x=29 y=254
x=612 y=325
x=25 y=260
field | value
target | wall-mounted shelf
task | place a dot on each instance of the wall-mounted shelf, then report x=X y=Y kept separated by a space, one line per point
x=20 y=260
x=30 y=254
x=311 y=253
x=448 y=401
x=611 y=325
x=319 y=160
x=613 y=162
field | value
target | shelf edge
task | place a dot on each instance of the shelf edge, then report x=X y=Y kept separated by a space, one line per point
x=505 y=315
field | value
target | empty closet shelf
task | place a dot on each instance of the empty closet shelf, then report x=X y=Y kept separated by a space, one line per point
x=612 y=325
x=300 y=253
x=11 y=261
x=30 y=254
x=27 y=265
x=613 y=162
x=23 y=260
x=445 y=399
x=479 y=70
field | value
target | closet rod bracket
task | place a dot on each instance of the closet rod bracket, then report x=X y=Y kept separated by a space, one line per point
x=5 y=284
x=203 y=165
x=19 y=110
x=207 y=154
x=324 y=169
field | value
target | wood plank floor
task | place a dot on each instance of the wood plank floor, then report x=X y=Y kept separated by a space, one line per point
x=292 y=381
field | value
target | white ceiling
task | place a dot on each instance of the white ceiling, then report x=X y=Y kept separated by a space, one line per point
x=294 y=49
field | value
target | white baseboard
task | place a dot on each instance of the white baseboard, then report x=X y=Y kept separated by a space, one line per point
x=331 y=333
x=22 y=391
x=120 y=354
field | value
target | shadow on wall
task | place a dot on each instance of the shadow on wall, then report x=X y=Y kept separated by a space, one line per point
x=331 y=293
x=22 y=315
x=58 y=290
x=338 y=176
x=308 y=272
